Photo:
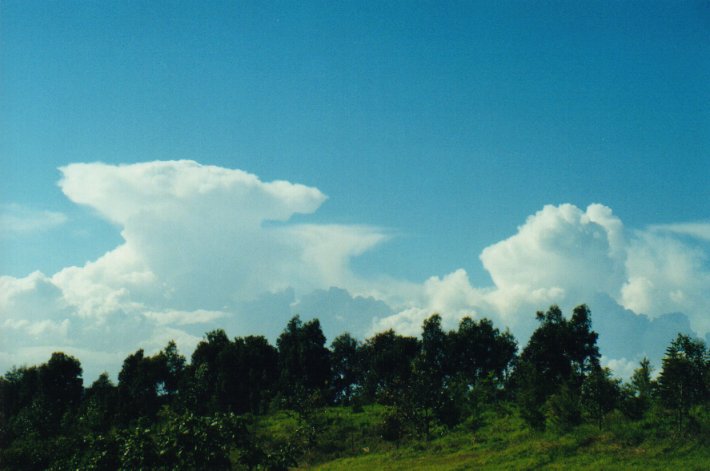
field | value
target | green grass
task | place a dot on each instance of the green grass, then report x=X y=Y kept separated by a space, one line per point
x=350 y=441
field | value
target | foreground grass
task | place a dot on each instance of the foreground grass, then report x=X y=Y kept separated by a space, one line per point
x=498 y=440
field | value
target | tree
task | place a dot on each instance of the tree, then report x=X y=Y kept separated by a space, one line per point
x=479 y=351
x=304 y=361
x=387 y=360
x=246 y=375
x=259 y=372
x=208 y=373
x=99 y=405
x=559 y=352
x=563 y=408
x=171 y=367
x=146 y=383
x=425 y=395
x=600 y=394
x=347 y=368
x=19 y=390
x=60 y=386
x=638 y=393
x=187 y=441
x=683 y=381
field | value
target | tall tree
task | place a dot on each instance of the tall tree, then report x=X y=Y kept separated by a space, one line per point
x=600 y=394
x=146 y=383
x=559 y=352
x=387 y=359
x=347 y=369
x=247 y=374
x=425 y=395
x=208 y=374
x=60 y=387
x=637 y=394
x=99 y=406
x=480 y=351
x=304 y=361
x=683 y=380
x=172 y=366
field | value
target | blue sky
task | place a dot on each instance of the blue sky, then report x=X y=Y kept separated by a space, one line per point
x=441 y=126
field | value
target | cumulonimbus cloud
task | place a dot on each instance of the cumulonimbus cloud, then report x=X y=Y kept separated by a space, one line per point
x=198 y=241
x=207 y=247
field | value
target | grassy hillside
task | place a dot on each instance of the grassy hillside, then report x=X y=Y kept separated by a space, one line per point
x=497 y=440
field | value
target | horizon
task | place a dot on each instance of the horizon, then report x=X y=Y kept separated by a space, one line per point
x=177 y=167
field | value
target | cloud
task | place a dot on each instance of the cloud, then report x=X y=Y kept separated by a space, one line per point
x=643 y=286
x=340 y=311
x=665 y=274
x=621 y=367
x=699 y=230
x=17 y=220
x=202 y=232
x=206 y=247
x=560 y=253
x=200 y=245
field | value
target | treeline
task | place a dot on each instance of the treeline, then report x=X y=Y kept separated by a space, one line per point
x=168 y=413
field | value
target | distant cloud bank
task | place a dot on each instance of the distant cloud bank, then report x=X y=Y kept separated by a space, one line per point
x=207 y=247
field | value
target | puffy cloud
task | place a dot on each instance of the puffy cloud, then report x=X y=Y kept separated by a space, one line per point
x=17 y=220
x=200 y=244
x=560 y=253
x=204 y=232
x=632 y=280
x=207 y=247
x=452 y=297
x=621 y=367
x=665 y=274
x=177 y=189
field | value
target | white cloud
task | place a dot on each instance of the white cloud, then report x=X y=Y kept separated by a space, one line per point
x=19 y=220
x=206 y=247
x=182 y=318
x=200 y=232
x=561 y=251
x=665 y=274
x=621 y=367
x=200 y=243
x=699 y=230
x=567 y=256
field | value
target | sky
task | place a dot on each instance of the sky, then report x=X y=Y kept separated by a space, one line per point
x=172 y=167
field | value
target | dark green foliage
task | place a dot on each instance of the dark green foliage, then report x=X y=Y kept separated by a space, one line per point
x=564 y=411
x=600 y=394
x=554 y=364
x=206 y=373
x=478 y=351
x=231 y=376
x=683 y=381
x=141 y=387
x=192 y=442
x=167 y=414
x=60 y=386
x=392 y=427
x=36 y=400
x=258 y=373
x=304 y=361
x=636 y=396
x=171 y=366
x=346 y=361
x=99 y=407
x=387 y=359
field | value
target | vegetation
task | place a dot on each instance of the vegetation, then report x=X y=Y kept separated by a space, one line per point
x=447 y=400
